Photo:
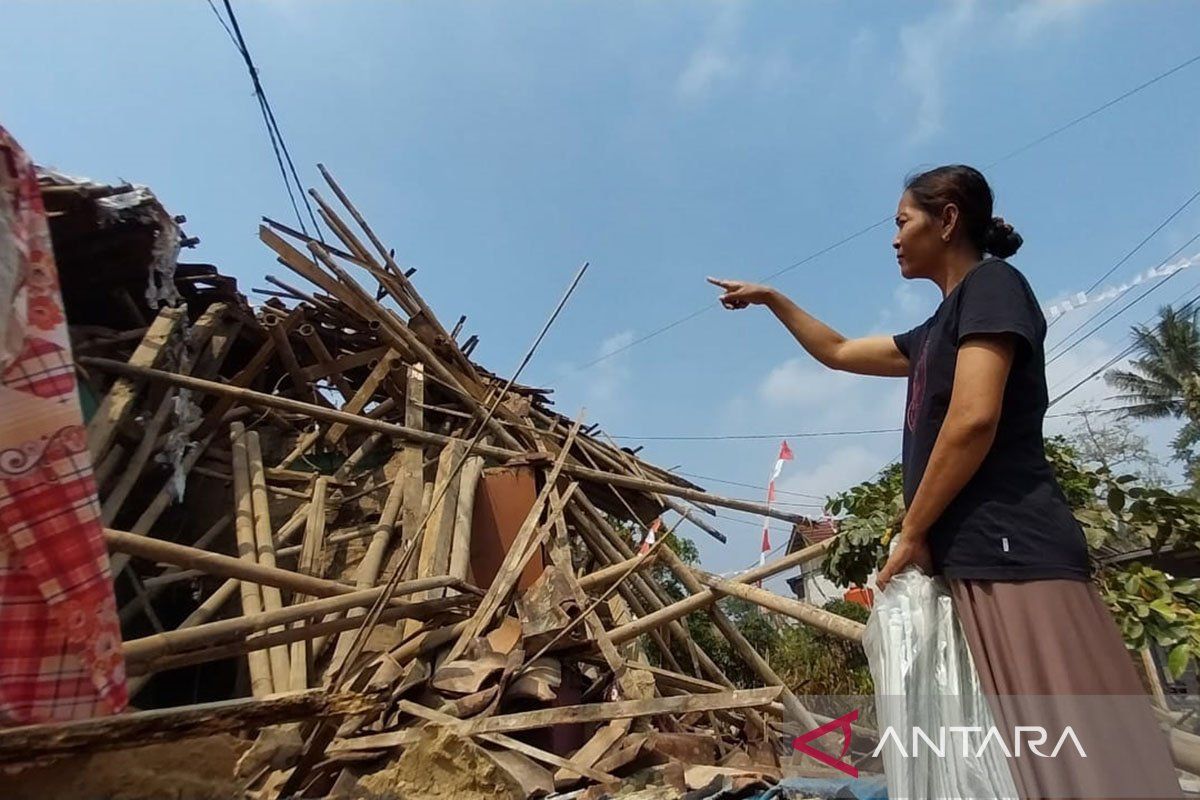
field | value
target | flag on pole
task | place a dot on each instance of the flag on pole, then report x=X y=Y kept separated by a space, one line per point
x=649 y=541
x=785 y=454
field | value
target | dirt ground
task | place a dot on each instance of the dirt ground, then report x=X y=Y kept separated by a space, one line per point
x=193 y=769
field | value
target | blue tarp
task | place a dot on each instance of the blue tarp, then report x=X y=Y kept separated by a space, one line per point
x=864 y=787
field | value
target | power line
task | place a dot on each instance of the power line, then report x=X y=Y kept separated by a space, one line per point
x=278 y=145
x=753 y=436
x=851 y=237
x=759 y=436
x=711 y=479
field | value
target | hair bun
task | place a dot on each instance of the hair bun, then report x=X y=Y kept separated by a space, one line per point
x=1001 y=240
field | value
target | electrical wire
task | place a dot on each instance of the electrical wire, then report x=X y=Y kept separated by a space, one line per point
x=851 y=237
x=278 y=145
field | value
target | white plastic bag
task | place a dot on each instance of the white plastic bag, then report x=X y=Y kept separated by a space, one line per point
x=924 y=678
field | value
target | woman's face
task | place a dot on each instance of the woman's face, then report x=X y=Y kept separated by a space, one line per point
x=918 y=241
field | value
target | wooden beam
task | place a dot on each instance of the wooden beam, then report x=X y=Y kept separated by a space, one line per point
x=35 y=742
x=120 y=398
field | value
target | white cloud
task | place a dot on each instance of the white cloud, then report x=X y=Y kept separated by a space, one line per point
x=721 y=59
x=605 y=383
x=925 y=50
x=706 y=68
x=928 y=49
x=1035 y=17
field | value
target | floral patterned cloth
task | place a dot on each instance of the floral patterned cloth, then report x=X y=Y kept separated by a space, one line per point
x=60 y=640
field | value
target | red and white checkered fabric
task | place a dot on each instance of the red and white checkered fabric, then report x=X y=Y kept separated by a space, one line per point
x=60 y=641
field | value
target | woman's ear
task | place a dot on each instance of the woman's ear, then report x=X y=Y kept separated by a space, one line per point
x=949 y=221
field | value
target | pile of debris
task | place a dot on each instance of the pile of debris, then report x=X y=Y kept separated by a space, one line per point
x=328 y=524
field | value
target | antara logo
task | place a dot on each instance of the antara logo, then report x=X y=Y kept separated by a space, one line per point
x=801 y=743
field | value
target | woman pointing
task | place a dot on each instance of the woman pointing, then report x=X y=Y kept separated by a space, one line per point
x=983 y=508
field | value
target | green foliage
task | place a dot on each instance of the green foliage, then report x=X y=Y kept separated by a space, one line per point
x=1153 y=608
x=869 y=511
x=1118 y=514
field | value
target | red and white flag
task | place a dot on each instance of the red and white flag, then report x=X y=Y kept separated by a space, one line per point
x=649 y=541
x=785 y=454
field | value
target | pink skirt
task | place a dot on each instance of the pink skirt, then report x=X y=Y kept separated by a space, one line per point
x=1049 y=654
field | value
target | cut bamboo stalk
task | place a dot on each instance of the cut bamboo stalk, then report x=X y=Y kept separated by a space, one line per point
x=372 y=562
x=281 y=671
x=105 y=468
x=412 y=460
x=220 y=565
x=400 y=432
x=311 y=556
x=324 y=358
x=438 y=535
x=237 y=628
x=363 y=395
x=460 y=548
x=137 y=462
x=283 y=346
x=602 y=578
x=807 y=613
x=564 y=715
x=261 y=681
x=696 y=602
x=120 y=398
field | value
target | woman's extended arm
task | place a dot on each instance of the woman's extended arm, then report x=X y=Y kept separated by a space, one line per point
x=980 y=374
x=869 y=355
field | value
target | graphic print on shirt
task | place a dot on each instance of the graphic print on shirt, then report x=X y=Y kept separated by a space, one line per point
x=916 y=395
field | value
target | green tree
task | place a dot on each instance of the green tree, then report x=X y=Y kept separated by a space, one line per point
x=1117 y=513
x=1164 y=377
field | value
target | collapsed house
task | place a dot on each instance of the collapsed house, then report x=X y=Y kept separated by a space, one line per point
x=328 y=524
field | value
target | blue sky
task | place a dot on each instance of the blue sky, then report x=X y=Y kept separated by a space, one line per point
x=498 y=146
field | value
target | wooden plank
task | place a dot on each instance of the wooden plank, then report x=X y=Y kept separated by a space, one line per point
x=428 y=714
x=32 y=742
x=363 y=395
x=620 y=709
x=120 y=398
x=438 y=535
x=360 y=358
x=412 y=459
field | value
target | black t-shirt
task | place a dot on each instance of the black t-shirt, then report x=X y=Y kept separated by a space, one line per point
x=1011 y=520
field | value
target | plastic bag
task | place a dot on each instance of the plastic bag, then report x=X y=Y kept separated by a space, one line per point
x=925 y=679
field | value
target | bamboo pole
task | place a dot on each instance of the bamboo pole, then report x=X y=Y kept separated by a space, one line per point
x=312 y=631
x=117 y=404
x=807 y=613
x=261 y=681
x=236 y=628
x=696 y=602
x=311 y=555
x=281 y=670
x=403 y=433
x=460 y=548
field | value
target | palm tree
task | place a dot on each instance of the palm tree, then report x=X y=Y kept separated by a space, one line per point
x=1164 y=376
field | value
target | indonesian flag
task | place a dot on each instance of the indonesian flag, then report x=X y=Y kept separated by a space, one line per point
x=785 y=454
x=649 y=541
